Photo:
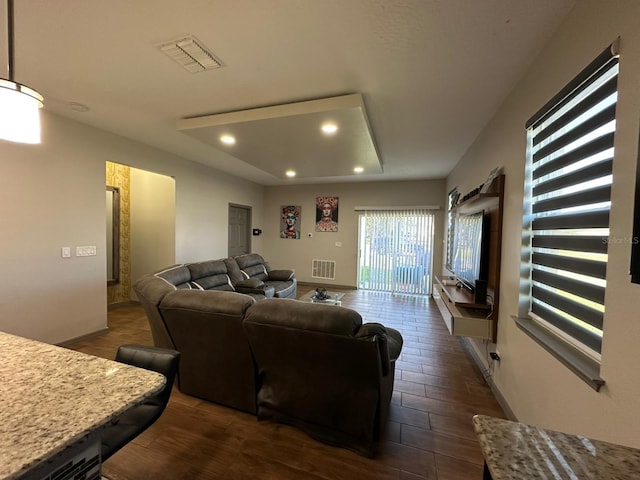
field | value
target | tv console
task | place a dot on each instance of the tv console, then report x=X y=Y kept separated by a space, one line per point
x=461 y=314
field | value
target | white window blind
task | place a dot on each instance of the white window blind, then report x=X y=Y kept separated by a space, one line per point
x=396 y=250
x=570 y=174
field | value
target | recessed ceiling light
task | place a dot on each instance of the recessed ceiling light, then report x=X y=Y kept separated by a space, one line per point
x=290 y=173
x=358 y=170
x=78 y=107
x=228 y=139
x=329 y=128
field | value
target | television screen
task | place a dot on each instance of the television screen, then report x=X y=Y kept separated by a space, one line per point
x=468 y=257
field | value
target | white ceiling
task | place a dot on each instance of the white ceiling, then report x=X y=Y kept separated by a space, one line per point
x=431 y=73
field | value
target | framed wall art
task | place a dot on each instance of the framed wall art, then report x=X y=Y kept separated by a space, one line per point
x=290 y=221
x=326 y=214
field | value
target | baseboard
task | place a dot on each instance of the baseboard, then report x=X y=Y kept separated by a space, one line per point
x=126 y=303
x=328 y=286
x=81 y=338
x=489 y=379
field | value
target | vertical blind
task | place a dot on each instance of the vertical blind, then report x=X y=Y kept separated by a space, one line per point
x=396 y=250
x=570 y=159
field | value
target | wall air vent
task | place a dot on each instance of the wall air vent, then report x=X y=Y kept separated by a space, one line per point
x=323 y=269
x=189 y=52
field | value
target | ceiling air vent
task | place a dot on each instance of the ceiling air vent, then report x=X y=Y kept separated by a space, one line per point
x=191 y=54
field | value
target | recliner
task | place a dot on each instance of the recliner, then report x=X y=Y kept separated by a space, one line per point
x=137 y=419
x=254 y=267
x=322 y=370
x=216 y=363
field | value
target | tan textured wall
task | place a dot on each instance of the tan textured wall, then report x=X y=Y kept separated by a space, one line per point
x=298 y=254
x=538 y=388
x=120 y=176
x=153 y=220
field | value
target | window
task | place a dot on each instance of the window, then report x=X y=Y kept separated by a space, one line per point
x=567 y=203
x=452 y=200
x=396 y=249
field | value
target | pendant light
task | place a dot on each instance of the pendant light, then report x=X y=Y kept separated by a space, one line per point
x=19 y=104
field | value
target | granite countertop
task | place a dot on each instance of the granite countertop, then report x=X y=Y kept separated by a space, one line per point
x=51 y=397
x=516 y=451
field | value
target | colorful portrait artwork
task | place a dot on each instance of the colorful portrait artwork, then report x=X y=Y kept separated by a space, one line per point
x=290 y=221
x=326 y=214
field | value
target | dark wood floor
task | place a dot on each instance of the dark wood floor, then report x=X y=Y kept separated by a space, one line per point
x=438 y=389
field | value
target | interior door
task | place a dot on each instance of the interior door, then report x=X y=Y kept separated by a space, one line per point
x=239 y=230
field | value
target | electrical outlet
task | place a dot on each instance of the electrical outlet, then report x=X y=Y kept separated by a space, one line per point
x=66 y=252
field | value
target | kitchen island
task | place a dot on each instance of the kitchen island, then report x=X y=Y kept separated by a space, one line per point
x=55 y=401
x=517 y=451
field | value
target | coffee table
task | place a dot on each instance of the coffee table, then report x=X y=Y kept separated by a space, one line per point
x=335 y=298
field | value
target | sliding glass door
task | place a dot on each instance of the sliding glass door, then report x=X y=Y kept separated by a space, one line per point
x=396 y=251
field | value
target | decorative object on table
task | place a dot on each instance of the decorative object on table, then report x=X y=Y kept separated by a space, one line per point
x=492 y=175
x=290 y=220
x=326 y=214
x=321 y=294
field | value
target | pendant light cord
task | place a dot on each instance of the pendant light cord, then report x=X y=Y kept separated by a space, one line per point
x=10 y=39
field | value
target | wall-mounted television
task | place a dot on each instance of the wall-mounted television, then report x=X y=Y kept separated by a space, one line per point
x=469 y=256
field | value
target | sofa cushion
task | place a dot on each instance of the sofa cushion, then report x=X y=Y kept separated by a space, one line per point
x=249 y=260
x=251 y=283
x=233 y=270
x=210 y=275
x=220 y=303
x=306 y=316
x=177 y=275
x=252 y=265
x=255 y=271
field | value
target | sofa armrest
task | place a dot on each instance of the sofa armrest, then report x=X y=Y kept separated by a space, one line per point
x=265 y=290
x=251 y=283
x=389 y=342
x=281 y=275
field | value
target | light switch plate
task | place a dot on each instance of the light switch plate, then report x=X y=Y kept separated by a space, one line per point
x=86 y=251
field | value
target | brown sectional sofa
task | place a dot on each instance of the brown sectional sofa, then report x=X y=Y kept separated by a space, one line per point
x=198 y=308
x=294 y=362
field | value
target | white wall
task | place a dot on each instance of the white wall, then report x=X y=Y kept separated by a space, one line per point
x=297 y=254
x=153 y=220
x=537 y=387
x=203 y=196
x=52 y=195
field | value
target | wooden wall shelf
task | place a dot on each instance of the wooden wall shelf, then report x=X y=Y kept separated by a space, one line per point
x=461 y=314
x=458 y=308
x=477 y=203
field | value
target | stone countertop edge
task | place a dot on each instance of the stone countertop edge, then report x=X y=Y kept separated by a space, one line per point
x=52 y=397
x=517 y=451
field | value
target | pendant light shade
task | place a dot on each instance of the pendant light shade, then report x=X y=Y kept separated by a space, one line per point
x=19 y=115
x=19 y=105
